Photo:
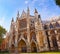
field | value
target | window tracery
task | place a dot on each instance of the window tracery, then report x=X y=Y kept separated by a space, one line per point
x=23 y=23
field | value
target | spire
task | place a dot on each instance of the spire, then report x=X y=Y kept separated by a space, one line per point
x=23 y=14
x=28 y=11
x=36 y=13
x=18 y=14
x=36 y=10
x=12 y=19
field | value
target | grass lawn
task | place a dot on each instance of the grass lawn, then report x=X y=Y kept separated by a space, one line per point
x=35 y=53
x=4 y=53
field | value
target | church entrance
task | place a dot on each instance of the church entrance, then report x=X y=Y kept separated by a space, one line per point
x=22 y=46
x=33 y=47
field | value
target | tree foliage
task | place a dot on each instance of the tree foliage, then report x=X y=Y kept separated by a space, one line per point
x=2 y=32
x=57 y=2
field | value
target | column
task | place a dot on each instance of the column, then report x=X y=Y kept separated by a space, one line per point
x=45 y=42
x=28 y=36
x=16 y=43
x=37 y=36
x=58 y=41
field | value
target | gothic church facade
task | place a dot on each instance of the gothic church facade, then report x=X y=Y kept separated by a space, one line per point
x=29 y=34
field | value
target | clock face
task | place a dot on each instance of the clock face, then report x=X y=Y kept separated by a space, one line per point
x=23 y=23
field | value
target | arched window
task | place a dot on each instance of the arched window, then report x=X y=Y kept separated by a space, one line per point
x=51 y=26
x=57 y=24
x=45 y=27
x=23 y=23
x=33 y=36
x=25 y=35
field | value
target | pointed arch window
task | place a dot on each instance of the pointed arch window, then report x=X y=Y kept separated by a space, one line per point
x=33 y=36
x=23 y=23
x=51 y=26
x=45 y=27
x=25 y=35
x=57 y=24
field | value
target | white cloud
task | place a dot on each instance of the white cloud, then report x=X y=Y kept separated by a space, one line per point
x=4 y=23
x=26 y=2
x=33 y=1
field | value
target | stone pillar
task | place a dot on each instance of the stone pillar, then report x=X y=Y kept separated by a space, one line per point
x=38 y=50
x=10 y=41
x=10 y=46
x=28 y=36
x=58 y=41
x=37 y=36
x=16 y=40
x=45 y=42
x=41 y=37
x=51 y=45
x=16 y=49
x=28 y=48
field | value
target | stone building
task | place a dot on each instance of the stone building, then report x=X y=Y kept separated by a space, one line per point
x=29 y=34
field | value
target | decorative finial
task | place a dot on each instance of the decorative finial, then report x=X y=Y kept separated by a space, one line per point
x=23 y=11
x=28 y=11
x=18 y=14
x=12 y=19
x=28 y=8
x=36 y=10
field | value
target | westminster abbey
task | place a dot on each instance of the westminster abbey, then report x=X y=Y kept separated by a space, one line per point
x=29 y=34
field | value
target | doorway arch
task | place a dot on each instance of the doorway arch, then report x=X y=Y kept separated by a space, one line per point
x=22 y=47
x=33 y=47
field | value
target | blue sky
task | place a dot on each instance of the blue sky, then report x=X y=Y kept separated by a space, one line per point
x=8 y=9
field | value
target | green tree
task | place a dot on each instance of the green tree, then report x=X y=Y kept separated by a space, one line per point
x=57 y=2
x=2 y=33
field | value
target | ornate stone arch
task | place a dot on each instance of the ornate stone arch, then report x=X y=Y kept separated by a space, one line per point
x=22 y=38
x=22 y=45
x=34 y=46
